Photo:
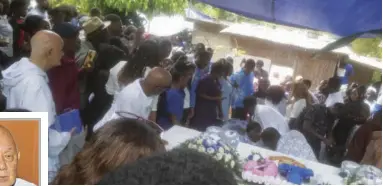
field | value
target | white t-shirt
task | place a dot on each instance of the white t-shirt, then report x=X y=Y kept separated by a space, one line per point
x=131 y=99
x=293 y=110
x=280 y=107
x=21 y=182
x=112 y=86
x=267 y=117
x=333 y=98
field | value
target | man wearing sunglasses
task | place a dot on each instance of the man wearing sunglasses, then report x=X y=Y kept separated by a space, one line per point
x=137 y=97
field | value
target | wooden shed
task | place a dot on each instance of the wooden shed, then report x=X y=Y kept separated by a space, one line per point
x=288 y=48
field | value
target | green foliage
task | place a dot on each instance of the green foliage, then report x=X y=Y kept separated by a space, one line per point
x=83 y=6
x=368 y=47
x=148 y=7
x=377 y=76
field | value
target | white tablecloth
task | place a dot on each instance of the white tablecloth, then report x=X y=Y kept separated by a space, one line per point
x=177 y=135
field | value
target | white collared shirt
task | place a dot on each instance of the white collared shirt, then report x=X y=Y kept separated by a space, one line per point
x=21 y=182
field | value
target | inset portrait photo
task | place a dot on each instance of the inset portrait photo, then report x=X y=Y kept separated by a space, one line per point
x=19 y=151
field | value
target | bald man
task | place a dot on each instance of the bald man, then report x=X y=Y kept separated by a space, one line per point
x=25 y=83
x=8 y=163
x=137 y=98
x=25 y=86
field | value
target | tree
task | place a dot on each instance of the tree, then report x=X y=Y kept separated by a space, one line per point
x=148 y=7
x=371 y=47
x=368 y=47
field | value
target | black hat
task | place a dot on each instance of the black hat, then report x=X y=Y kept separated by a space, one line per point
x=66 y=30
x=31 y=23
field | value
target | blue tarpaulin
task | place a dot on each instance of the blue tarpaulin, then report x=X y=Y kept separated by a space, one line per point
x=340 y=17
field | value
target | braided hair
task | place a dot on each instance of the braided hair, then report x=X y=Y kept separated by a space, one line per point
x=147 y=55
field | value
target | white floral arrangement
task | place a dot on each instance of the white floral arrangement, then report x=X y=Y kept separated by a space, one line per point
x=218 y=150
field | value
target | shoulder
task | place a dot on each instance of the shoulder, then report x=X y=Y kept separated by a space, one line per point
x=21 y=182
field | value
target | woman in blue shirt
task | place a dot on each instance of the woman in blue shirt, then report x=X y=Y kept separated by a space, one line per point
x=171 y=102
x=242 y=81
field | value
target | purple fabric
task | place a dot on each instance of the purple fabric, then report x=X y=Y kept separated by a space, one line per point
x=340 y=17
x=206 y=110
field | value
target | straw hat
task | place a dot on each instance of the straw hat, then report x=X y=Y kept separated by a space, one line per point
x=94 y=24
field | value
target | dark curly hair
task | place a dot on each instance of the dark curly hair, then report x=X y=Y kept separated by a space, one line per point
x=119 y=142
x=275 y=94
x=178 y=167
x=147 y=55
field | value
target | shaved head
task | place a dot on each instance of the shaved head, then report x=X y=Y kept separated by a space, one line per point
x=159 y=76
x=9 y=157
x=6 y=137
x=46 y=49
x=157 y=81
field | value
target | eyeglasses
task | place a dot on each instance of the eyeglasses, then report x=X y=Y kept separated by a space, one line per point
x=152 y=124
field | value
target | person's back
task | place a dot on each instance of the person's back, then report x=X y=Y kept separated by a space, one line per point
x=373 y=155
x=269 y=117
x=23 y=84
x=131 y=99
x=362 y=137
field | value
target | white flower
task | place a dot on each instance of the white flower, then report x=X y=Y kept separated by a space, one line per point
x=201 y=149
x=232 y=164
x=210 y=150
x=228 y=157
x=218 y=156
x=199 y=141
x=190 y=146
x=221 y=150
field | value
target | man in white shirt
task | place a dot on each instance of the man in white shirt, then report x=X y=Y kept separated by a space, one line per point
x=8 y=164
x=137 y=98
x=25 y=85
x=292 y=143
x=266 y=116
x=335 y=95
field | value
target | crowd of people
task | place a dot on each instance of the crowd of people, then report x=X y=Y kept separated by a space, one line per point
x=129 y=86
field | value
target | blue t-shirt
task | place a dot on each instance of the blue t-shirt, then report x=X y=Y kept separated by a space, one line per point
x=174 y=106
x=245 y=87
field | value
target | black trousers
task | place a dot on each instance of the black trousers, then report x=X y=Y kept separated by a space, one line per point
x=239 y=113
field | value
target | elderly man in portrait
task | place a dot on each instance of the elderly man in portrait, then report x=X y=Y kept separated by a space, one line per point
x=9 y=157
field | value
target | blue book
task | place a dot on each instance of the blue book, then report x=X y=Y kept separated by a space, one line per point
x=68 y=120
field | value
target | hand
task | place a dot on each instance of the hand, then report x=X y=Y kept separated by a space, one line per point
x=72 y=132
